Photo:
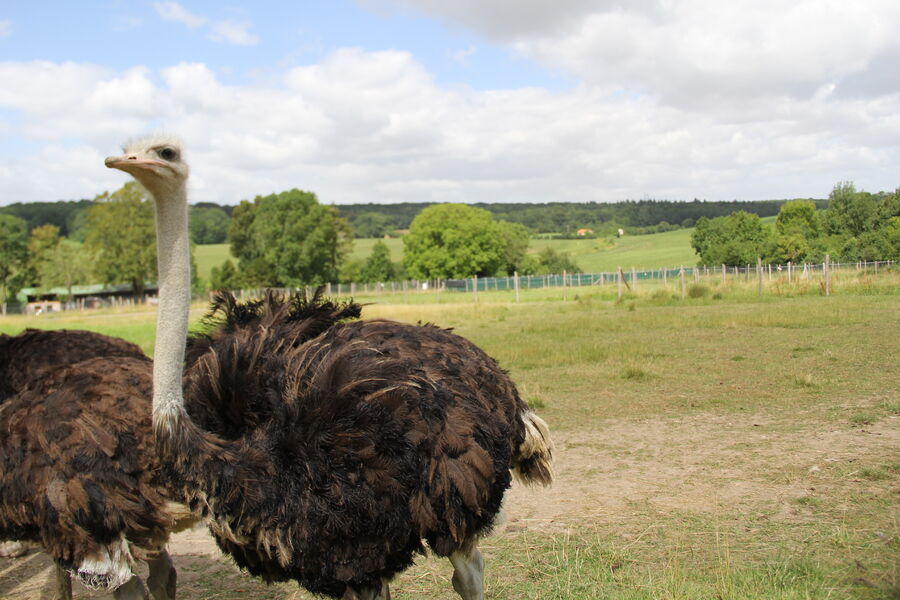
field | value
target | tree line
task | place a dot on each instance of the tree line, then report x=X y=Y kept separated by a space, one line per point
x=209 y=221
x=855 y=226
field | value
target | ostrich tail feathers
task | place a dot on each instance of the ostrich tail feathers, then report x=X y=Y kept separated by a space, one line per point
x=533 y=461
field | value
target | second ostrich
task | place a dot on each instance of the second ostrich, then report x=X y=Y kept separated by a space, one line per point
x=329 y=460
x=24 y=356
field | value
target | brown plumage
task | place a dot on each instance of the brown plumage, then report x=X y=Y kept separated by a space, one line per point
x=329 y=450
x=24 y=356
x=79 y=475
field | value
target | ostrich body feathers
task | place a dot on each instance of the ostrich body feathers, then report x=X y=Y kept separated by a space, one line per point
x=24 y=356
x=327 y=451
x=78 y=468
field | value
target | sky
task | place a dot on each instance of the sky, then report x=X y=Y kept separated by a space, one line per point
x=467 y=101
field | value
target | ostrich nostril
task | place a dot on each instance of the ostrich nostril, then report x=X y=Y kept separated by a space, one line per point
x=132 y=157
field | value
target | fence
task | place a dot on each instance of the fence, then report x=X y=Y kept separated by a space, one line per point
x=628 y=279
x=624 y=279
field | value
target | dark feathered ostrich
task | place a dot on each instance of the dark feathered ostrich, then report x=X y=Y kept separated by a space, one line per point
x=24 y=356
x=329 y=459
x=79 y=473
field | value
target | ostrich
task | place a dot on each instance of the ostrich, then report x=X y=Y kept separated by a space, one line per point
x=329 y=460
x=78 y=469
x=23 y=356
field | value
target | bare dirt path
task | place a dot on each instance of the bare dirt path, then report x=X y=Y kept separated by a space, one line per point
x=704 y=463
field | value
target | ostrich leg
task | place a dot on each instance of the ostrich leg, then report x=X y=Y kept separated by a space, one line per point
x=162 y=577
x=134 y=589
x=63 y=584
x=468 y=573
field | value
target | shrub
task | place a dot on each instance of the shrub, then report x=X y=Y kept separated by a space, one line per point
x=698 y=290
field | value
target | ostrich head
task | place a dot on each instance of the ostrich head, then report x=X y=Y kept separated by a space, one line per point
x=157 y=162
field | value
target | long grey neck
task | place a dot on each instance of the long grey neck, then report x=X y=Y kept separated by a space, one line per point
x=174 y=265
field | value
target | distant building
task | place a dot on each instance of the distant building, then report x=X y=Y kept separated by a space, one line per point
x=584 y=231
x=37 y=300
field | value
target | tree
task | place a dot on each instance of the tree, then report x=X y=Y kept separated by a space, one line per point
x=41 y=243
x=371 y=225
x=737 y=239
x=65 y=265
x=13 y=252
x=288 y=239
x=225 y=277
x=122 y=236
x=378 y=266
x=515 y=239
x=447 y=241
x=798 y=216
x=851 y=212
x=797 y=228
x=208 y=225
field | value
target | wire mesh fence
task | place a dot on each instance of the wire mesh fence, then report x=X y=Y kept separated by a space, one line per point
x=629 y=278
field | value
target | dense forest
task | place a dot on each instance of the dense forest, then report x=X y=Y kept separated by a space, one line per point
x=209 y=221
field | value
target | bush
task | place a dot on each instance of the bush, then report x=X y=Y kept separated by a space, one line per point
x=698 y=290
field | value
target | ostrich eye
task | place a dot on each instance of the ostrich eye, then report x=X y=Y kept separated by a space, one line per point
x=167 y=153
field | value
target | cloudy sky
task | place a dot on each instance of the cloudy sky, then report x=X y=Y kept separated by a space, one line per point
x=462 y=101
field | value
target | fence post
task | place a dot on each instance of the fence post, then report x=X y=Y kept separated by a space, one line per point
x=789 y=271
x=681 y=276
x=475 y=287
x=665 y=277
x=759 y=276
x=633 y=280
x=565 y=291
x=619 y=281
x=516 y=282
x=825 y=268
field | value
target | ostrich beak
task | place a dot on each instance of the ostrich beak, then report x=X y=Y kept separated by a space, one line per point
x=129 y=161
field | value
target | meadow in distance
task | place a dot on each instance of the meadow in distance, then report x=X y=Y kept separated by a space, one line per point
x=725 y=445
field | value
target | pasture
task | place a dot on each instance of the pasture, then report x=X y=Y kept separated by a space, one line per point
x=725 y=446
x=657 y=250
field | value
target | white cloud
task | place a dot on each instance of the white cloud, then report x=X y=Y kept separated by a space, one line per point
x=6 y=28
x=375 y=127
x=703 y=53
x=172 y=11
x=229 y=32
x=232 y=33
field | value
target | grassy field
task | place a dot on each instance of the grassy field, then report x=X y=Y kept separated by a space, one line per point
x=729 y=447
x=668 y=249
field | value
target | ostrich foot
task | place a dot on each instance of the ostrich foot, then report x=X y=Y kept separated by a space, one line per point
x=12 y=549
x=133 y=589
x=63 y=584
x=468 y=573
x=368 y=593
x=162 y=577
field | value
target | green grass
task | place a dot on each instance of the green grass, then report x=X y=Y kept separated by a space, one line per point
x=669 y=249
x=207 y=256
x=787 y=402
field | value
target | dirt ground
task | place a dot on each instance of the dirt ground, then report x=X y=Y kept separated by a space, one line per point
x=701 y=463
